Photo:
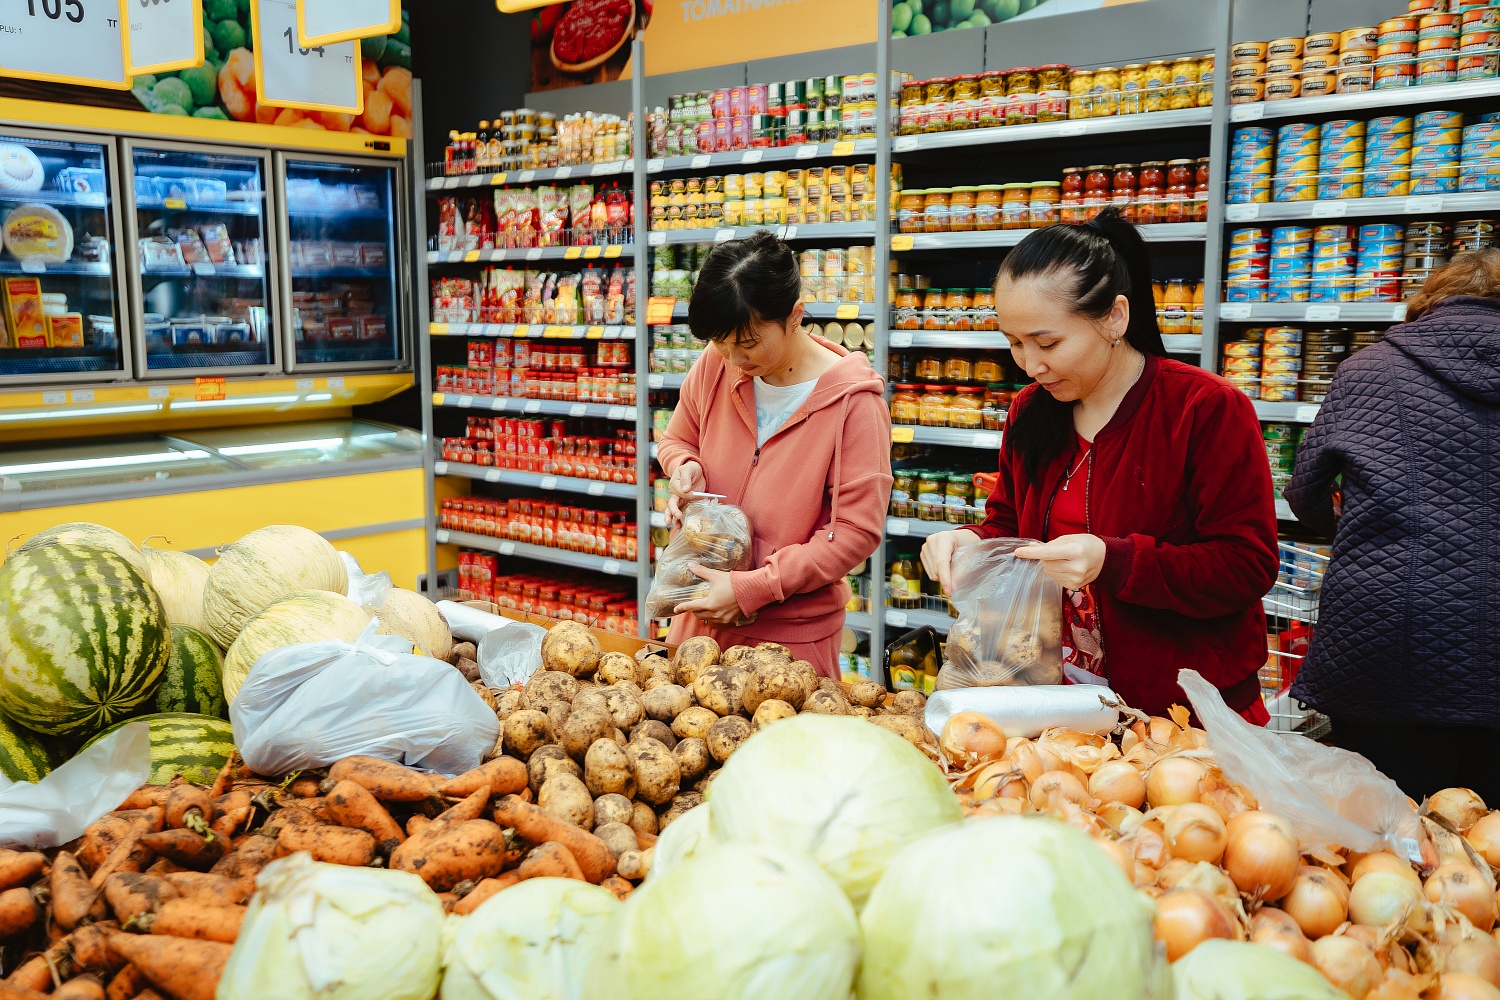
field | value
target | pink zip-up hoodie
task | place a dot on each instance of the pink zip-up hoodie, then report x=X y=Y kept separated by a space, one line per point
x=816 y=492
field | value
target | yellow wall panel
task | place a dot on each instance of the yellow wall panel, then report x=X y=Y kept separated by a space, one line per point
x=403 y=554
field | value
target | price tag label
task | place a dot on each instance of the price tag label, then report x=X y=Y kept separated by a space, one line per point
x=614 y=413
x=557 y=332
x=533 y=406
x=291 y=75
x=592 y=253
x=497 y=179
x=903 y=435
x=1329 y=209
x=656 y=239
x=548 y=483
x=900 y=338
x=563 y=173
x=449 y=183
x=572 y=253
x=807 y=151
x=659 y=310
x=443 y=536
x=1305 y=414
x=1234 y=310
x=617 y=332
x=304 y=384
x=165 y=392
x=30 y=266
x=1241 y=213
x=525 y=176
x=654 y=164
x=507 y=548
x=64 y=41
x=849 y=310
x=656 y=381
x=596 y=489
x=492 y=476
x=1425 y=203
x=905 y=143
x=464 y=401
x=439 y=468
x=594 y=333
x=501 y=403
x=613 y=250
x=752 y=156
x=1322 y=313
x=208 y=388
x=790 y=233
x=896 y=526
x=83 y=395
x=1247 y=112
x=497 y=255
x=454 y=256
x=438 y=398
x=55 y=397
x=578 y=409
x=323 y=22
x=900 y=242
x=203 y=268
x=700 y=161
x=1398 y=312
x=896 y=618
x=723 y=235
x=535 y=253
x=437 y=329
x=611 y=566
x=494 y=330
x=844 y=147
x=471 y=256
x=1073 y=128
x=986 y=439
x=161 y=37
x=521 y=330
x=630 y=413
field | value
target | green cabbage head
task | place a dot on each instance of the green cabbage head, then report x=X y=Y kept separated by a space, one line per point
x=1239 y=970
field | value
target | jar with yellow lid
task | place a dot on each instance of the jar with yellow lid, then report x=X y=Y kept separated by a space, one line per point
x=1158 y=80
x=1046 y=204
x=910 y=211
x=965 y=409
x=986 y=366
x=987 y=199
x=958 y=302
x=1015 y=206
x=985 y=317
x=1106 y=92
x=1081 y=94
x=1132 y=88
x=1184 y=91
x=961 y=209
x=905 y=403
x=935 y=403
x=908 y=309
x=935 y=210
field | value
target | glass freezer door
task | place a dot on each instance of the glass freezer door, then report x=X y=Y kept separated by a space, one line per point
x=341 y=251
x=58 y=290
x=201 y=232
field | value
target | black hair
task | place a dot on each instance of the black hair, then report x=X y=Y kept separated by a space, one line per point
x=742 y=283
x=1092 y=263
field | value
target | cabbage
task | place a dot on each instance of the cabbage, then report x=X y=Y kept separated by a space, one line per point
x=533 y=941
x=1238 y=970
x=331 y=932
x=732 y=922
x=681 y=839
x=837 y=788
x=1007 y=908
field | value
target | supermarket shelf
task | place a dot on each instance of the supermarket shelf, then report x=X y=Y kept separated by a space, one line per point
x=940 y=621
x=1284 y=511
x=531 y=176
x=1433 y=95
x=535 y=331
x=611 y=252
x=1172 y=232
x=1421 y=204
x=318 y=213
x=549 y=407
x=82 y=267
x=1183 y=343
x=208 y=208
x=541 y=553
x=750 y=157
x=1041 y=132
x=910 y=526
x=339 y=272
x=952 y=436
x=821 y=232
x=1283 y=609
x=1313 y=312
x=860 y=621
x=510 y=477
x=662 y=380
x=77 y=199
x=982 y=341
x=207 y=271
x=1293 y=413
x=810 y=310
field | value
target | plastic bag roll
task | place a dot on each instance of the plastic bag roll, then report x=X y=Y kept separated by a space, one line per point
x=1027 y=711
x=470 y=624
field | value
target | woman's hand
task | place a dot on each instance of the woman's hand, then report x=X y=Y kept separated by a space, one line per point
x=720 y=607
x=938 y=552
x=686 y=480
x=1074 y=561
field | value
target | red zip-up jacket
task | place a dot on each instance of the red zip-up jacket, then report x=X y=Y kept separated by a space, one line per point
x=1180 y=490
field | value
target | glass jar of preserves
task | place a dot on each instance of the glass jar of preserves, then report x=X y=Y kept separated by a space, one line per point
x=958 y=495
x=935 y=403
x=910 y=211
x=1203 y=166
x=906 y=584
x=1158 y=79
x=1153 y=174
x=1197 y=324
x=958 y=367
x=1020 y=96
x=1123 y=188
x=899 y=367
x=986 y=366
x=928 y=366
x=987 y=199
x=1176 y=315
x=965 y=406
x=1184 y=91
x=1098 y=189
x=908 y=309
x=904 y=494
x=1015 y=206
x=1181 y=173
x=963 y=111
x=958 y=303
x=1052 y=93
x=939 y=90
x=934 y=316
x=996 y=402
x=1132 y=88
x=913 y=97
x=935 y=210
x=932 y=489
x=905 y=403
x=1106 y=92
x=1206 y=82
x=1176 y=204
x=1081 y=94
x=961 y=209
x=1071 y=208
x=984 y=312
x=991 y=101
x=1046 y=203
x=981 y=500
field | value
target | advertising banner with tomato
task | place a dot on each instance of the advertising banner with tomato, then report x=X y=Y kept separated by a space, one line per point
x=585 y=41
x=926 y=17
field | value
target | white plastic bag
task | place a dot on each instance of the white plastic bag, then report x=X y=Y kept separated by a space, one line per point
x=1329 y=795
x=60 y=807
x=368 y=590
x=511 y=654
x=1028 y=711
x=313 y=703
x=470 y=624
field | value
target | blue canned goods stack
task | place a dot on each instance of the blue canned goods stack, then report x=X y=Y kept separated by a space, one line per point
x=1249 y=265
x=1388 y=149
x=1281 y=364
x=1250 y=165
x=1291 y=263
x=1434 y=153
x=1479 y=155
x=1333 y=264
x=1378 y=270
x=1296 y=177
x=1341 y=159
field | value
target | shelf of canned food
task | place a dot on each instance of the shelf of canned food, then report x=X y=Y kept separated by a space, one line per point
x=532 y=331
x=1465 y=201
x=1178 y=232
x=1312 y=312
x=541 y=553
x=762 y=155
x=518 y=255
x=547 y=407
x=531 y=480
x=957 y=437
x=815 y=231
x=1052 y=130
x=539 y=176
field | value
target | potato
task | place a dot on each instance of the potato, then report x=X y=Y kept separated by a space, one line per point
x=558 y=713
x=606 y=770
x=655 y=663
x=907 y=727
x=462 y=651
x=726 y=735
x=734 y=654
x=615 y=667
x=776 y=649
x=571 y=648
x=547 y=686
x=866 y=694
x=769 y=712
x=590 y=698
x=862 y=712
x=692 y=756
x=667 y=702
x=635 y=865
x=772 y=679
x=546 y=762
x=680 y=804
x=624 y=704
x=658 y=731
x=565 y=797
x=825 y=703
x=508 y=703
x=693 y=657
x=612 y=808
x=582 y=729
x=525 y=731
x=808 y=674
x=643 y=819
x=721 y=689
x=658 y=676
x=832 y=686
x=693 y=722
x=618 y=837
x=620 y=737
x=704 y=780
x=657 y=775
x=910 y=703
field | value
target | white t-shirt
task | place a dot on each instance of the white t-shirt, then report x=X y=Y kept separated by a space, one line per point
x=775 y=404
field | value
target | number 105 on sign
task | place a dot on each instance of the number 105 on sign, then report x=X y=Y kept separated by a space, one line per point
x=291 y=75
x=64 y=41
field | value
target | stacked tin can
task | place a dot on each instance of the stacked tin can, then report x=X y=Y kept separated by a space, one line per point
x=1427 y=247
x=1333 y=266
x=1479 y=42
x=1281 y=451
x=1437 y=47
x=1291 y=264
x=1251 y=156
x=1249 y=265
x=1378 y=269
x=1281 y=364
x=1435 y=152
x=1242 y=362
x=1473 y=234
x=1360 y=339
x=1479 y=155
x=1388 y=149
x=1296 y=177
x=1341 y=159
x=1322 y=351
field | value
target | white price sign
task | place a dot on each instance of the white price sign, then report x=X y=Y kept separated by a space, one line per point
x=163 y=35
x=64 y=41
x=323 y=22
x=291 y=75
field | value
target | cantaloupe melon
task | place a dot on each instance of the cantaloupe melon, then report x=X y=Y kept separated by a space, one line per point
x=302 y=616
x=416 y=619
x=264 y=566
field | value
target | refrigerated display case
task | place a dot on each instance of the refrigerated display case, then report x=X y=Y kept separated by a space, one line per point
x=202 y=231
x=59 y=285
x=341 y=241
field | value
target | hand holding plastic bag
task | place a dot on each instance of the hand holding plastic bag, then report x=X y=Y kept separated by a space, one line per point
x=1329 y=795
x=714 y=534
x=1009 y=629
x=60 y=807
x=314 y=703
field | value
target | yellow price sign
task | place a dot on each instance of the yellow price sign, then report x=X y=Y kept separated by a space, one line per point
x=497 y=179
x=844 y=148
x=659 y=310
x=174 y=203
x=522 y=330
x=848 y=310
x=901 y=242
x=438 y=397
x=471 y=256
x=438 y=328
x=594 y=333
x=572 y=253
x=903 y=435
x=558 y=331
x=613 y=250
x=590 y=253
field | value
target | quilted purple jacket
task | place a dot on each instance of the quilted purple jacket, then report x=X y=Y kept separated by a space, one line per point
x=1409 y=620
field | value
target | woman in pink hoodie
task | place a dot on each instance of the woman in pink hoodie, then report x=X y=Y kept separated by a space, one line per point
x=793 y=430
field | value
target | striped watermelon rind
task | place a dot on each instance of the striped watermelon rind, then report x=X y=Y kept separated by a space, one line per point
x=194 y=746
x=193 y=681
x=24 y=756
x=83 y=639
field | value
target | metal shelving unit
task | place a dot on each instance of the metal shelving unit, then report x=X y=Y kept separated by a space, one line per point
x=533 y=480
x=1174 y=232
x=1312 y=312
x=535 y=331
x=540 y=553
x=813 y=232
x=783 y=155
x=528 y=407
x=518 y=255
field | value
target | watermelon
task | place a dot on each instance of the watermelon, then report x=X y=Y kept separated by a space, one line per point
x=87 y=533
x=193 y=681
x=23 y=755
x=194 y=746
x=83 y=638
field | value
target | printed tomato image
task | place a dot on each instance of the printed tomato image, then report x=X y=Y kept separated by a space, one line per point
x=585 y=41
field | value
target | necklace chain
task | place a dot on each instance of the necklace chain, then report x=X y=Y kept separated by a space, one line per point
x=1068 y=476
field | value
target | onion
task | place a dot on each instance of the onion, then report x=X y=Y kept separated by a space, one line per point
x=1195 y=833
x=1461 y=986
x=1010 y=805
x=1118 y=781
x=1383 y=861
x=1120 y=816
x=1484 y=837
x=1288 y=940
x=1148 y=845
x=1157 y=730
x=1256 y=817
x=1347 y=964
x=1271 y=917
x=1185 y=918
x=1052 y=785
x=1465 y=890
x=1381 y=899
x=1175 y=780
x=1461 y=807
x=1029 y=761
x=1119 y=854
x=1317 y=902
x=991 y=778
x=970 y=736
x=1371 y=938
x=1013 y=742
x=1211 y=879
x=1262 y=860
x=1474 y=956
x=1173 y=872
x=1397 y=985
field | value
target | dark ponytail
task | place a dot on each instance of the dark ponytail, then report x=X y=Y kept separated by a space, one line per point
x=742 y=283
x=1091 y=264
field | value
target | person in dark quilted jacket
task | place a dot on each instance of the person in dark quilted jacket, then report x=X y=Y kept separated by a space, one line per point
x=1402 y=468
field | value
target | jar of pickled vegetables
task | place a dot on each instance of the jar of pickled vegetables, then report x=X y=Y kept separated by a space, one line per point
x=957 y=302
x=935 y=210
x=958 y=495
x=1132 y=88
x=1046 y=203
x=1015 y=206
x=1205 y=82
x=910 y=211
x=913 y=100
x=984 y=312
x=1184 y=91
x=964 y=410
x=963 y=112
x=1081 y=94
x=961 y=209
x=1181 y=173
x=1106 y=92
x=939 y=90
x=1020 y=96
x=935 y=403
x=991 y=100
x=934 y=317
x=899 y=366
x=1158 y=80
x=987 y=199
x=905 y=404
x=928 y=367
x=981 y=499
x=932 y=488
x=908 y=309
x=986 y=366
x=904 y=494
x=1052 y=93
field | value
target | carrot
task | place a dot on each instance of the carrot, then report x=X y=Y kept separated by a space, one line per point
x=233 y=800
x=187 y=848
x=416 y=824
x=550 y=860
x=304 y=788
x=619 y=886
x=20 y=868
x=128 y=982
x=351 y=804
x=74 y=899
x=189 y=806
x=283 y=818
x=591 y=853
x=465 y=852
x=385 y=780
x=337 y=845
x=247 y=860
x=80 y=988
x=88 y=947
x=99 y=839
x=646 y=840
x=484 y=890
x=145 y=797
x=149 y=994
x=161 y=866
x=18 y=911
x=185 y=918
x=502 y=776
x=33 y=974
x=179 y=968
x=215 y=890
x=448 y=899
x=225 y=778
x=132 y=895
x=124 y=855
x=230 y=820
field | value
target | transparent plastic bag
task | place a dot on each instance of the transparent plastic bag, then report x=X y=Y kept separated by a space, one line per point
x=712 y=533
x=1009 y=629
x=511 y=654
x=368 y=590
x=1330 y=796
x=61 y=806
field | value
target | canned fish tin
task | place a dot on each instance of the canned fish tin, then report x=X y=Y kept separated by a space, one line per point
x=1431 y=71
x=1358 y=38
x=1381 y=231
x=1343 y=129
x=1282 y=349
x=1323 y=234
x=1356 y=80
x=1320 y=64
x=1278 y=393
x=1246 y=72
x=1479 y=41
x=1289 y=234
x=1284 y=88
x=1321 y=43
x=1437 y=22
x=1249 y=92
x=1397 y=29
x=1477 y=67
x=1242 y=349
x=1280 y=366
x=1283 y=335
x=1438 y=119
x=1481 y=17
x=1248 y=52
x=1283 y=66
x=1253 y=236
x=1389 y=124
x=1318 y=84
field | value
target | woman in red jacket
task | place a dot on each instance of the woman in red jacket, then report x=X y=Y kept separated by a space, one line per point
x=1144 y=478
